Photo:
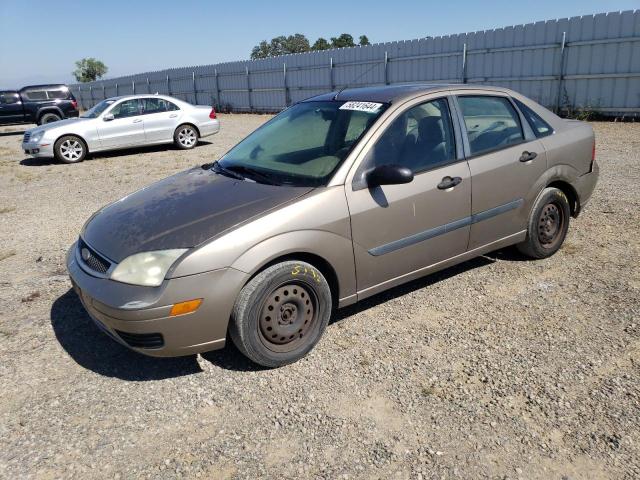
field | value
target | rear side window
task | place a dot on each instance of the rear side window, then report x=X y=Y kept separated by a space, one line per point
x=492 y=123
x=58 y=93
x=8 y=98
x=154 y=105
x=539 y=126
x=35 y=94
x=172 y=106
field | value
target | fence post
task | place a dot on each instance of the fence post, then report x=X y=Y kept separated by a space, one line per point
x=331 y=73
x=195 y=90
x=91 y=94
x=249 y=89
x=104 y=93
x=133 y=85
x=464 y=63
x=215 y=75
x=561 y=74
x=287 y=97
x=116 y=89
x=168 y=85
x=148 y=86
x=386 y=68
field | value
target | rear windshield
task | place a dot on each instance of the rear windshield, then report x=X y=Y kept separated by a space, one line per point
x=305 y=144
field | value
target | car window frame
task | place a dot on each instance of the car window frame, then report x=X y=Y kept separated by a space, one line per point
x=526 y=116
x=527 y=132
x=110 y=110
x=361 y=169
x=144 y=112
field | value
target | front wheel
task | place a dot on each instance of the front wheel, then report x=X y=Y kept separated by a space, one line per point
x=185 y=137
x=70 y=149
x=548 y=224
x=281 y=314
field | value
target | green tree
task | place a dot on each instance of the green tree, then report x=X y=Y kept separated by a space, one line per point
x=344 y=40
x=321 y=44
x=281 y=45
x=364 y=40
x=89 y=70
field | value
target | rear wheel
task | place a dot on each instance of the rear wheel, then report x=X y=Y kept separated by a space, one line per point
x=281 y=314
x=185 y=137
x=548 y=224
x=48 y=118
x=70 y=149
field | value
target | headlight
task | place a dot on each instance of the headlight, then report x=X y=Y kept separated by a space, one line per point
x=147 y=268
x=36 y=137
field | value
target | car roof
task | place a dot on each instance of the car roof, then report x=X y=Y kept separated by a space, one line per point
x=393 y=93
x=46 y=85
x=145 y=95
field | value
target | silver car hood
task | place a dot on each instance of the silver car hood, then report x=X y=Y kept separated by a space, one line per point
x=59 y=123
x=181 y=211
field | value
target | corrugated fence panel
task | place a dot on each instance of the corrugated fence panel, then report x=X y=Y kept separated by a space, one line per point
x=597 y=67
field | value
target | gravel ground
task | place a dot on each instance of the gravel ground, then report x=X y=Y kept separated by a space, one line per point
x=498 y=368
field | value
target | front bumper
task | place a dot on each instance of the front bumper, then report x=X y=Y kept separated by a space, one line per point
x=38 y=149
x=138 y=317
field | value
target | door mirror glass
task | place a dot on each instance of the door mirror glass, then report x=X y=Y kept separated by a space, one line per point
x=108 y=117
x=389 y=175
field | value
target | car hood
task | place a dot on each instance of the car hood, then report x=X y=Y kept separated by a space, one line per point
x=59 y=123
x=181 y=211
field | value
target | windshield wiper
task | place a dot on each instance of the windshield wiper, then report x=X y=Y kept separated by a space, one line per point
x=216 y=167
x=253 y=174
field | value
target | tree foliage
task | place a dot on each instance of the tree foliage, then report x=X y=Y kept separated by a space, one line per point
x=299 y=43
x=89 y=70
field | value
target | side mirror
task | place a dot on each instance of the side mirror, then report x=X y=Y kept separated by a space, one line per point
x=108 y=117
x=389 y=175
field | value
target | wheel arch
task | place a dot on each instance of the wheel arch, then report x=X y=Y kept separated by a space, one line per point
x=566 y=188
x=80 y=137
x=191 y=124
x=49 y=109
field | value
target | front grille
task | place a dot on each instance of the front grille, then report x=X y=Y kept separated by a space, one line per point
x=27 y=137
x=142 y=340
x=92 y=259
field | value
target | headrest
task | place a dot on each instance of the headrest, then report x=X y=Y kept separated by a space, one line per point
x=430 y=130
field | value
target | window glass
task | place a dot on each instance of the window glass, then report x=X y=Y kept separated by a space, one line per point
x=35 y=94
x=9 y=98
x=57 y=93
x=97 y=109
x=154 y=105
x=128 y=108
x=303 y=145
x=539 y=126
x=420 y=139
x=491 y=123
x=172 y=106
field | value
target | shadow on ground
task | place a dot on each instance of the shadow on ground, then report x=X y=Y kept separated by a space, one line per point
x=43 y=162
x=12 y=134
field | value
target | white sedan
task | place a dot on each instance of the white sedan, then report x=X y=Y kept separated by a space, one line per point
x=122 y=122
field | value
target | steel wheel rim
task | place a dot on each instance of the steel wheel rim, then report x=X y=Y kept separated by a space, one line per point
x=287 y=317
x=550 y=225
x=187 y=137
x=71 y=150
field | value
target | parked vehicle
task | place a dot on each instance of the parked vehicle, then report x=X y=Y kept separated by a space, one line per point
x=37 y=104
x=123 y=122
x=335 y=199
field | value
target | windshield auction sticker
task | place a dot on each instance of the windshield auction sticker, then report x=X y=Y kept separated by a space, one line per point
x=361 y=106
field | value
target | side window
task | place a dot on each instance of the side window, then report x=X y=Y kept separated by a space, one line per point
x=153 y=105
x=62 y=94
x=9 y=98
x=539 y=126
x=421 y=138
x=172 y=106
x=492 y=123
x=128 y=108
x=35 y=94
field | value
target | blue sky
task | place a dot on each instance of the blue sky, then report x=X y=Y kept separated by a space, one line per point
x=41 y=39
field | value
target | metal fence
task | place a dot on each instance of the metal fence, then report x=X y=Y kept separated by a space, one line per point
x=580 y=63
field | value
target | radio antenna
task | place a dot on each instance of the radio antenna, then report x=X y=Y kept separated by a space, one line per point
x=335 y=97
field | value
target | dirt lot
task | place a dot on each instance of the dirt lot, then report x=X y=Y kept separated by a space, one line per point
x=498 y=368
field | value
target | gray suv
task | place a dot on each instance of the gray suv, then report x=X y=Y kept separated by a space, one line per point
x=335 y=199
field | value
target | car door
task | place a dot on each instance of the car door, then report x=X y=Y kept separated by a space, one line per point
x=505 y=159
x=10 y=107
x=122 y=125
x=160 y=119
x=399 y=229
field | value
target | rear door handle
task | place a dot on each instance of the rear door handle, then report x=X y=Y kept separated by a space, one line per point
x=448 y=183
x=137 y=120
x=528 y=156
x=173 y=115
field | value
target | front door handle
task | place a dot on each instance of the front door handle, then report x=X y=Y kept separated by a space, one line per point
x=528 y=156
x=137 y=120
x=448 y=183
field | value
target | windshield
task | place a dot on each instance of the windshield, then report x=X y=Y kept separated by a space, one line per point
x=304 y=144
x=97 y=109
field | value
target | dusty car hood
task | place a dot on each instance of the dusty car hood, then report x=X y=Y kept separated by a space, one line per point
x=181 y=211
x=59 y=123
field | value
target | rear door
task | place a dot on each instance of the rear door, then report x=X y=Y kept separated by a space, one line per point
x=505 y=159
x=10 y=107
x=126 y=128
x=161 y=118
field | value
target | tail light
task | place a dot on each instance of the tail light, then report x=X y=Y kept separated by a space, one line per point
x=74 y=104
x=212 y=114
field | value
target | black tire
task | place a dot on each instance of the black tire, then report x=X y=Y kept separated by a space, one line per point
x=185 y=137
x=70 y=149
x=280 y=315
x=48 y=118
x=548 y=224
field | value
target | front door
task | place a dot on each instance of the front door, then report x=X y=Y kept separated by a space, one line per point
x=10 y=108
x=398 y=229
x=125 y=129
x=505 y=160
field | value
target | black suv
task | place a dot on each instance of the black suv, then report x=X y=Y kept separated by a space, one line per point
x=37 y=104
